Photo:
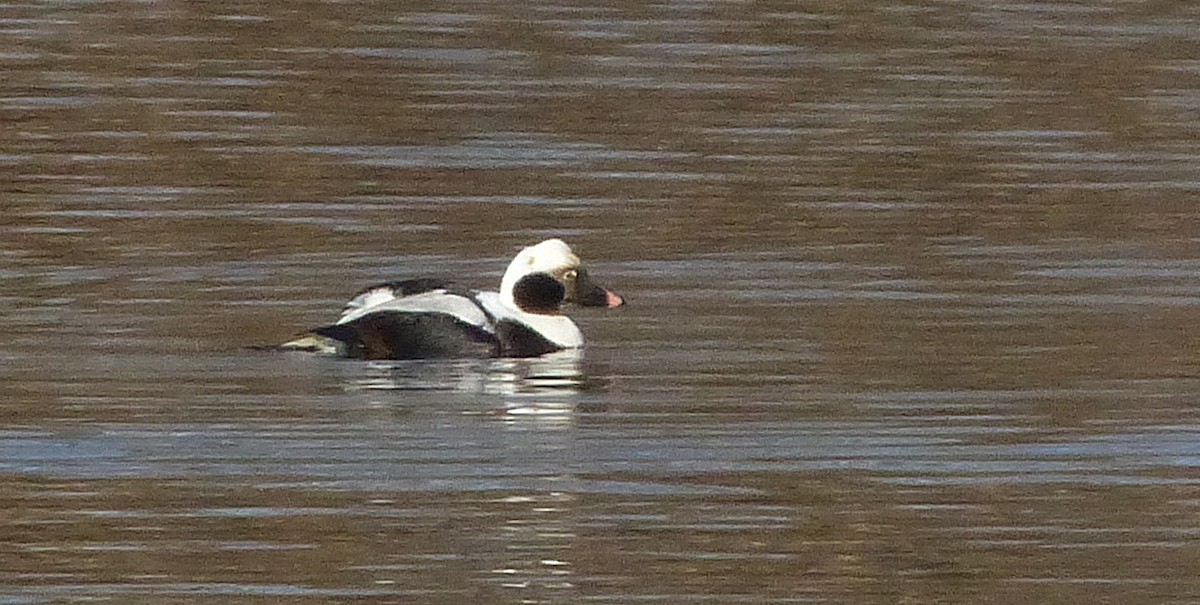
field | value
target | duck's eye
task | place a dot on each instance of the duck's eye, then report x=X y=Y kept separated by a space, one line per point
x=569 y=274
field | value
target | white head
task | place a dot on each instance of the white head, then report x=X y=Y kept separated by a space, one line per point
x=555 y=258
x=552 y=256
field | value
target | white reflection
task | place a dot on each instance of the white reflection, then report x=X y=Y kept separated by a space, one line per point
x=557 y=373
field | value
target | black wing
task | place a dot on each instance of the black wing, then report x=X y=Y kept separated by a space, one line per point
x=408 y=335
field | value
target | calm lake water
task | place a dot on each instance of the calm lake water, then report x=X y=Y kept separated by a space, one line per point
x=913 y=293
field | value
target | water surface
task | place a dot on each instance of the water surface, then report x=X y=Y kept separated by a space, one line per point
x=912 y=292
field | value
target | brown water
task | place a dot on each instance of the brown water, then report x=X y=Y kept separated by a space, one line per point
x=913 y=293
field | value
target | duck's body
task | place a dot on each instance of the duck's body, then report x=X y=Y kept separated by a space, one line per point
x=429 y=318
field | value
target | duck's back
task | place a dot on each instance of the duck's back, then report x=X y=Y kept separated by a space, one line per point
x=413 y=319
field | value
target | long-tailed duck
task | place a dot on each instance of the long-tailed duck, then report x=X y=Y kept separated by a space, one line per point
x=429 y=318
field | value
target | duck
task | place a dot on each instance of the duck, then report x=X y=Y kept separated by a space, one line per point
x=429 y=318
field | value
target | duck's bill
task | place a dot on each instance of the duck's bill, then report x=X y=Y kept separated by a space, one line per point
x=599 y=297
x=588 y=294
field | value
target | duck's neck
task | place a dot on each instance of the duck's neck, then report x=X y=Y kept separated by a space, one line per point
x=512 y=275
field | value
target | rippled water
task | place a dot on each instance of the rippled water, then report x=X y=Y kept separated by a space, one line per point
x=912 y=292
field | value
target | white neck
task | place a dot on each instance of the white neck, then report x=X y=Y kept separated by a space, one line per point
x=558 y=329
x=516 y=270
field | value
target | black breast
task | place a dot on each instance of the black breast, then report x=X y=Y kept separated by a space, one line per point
x=519 y=340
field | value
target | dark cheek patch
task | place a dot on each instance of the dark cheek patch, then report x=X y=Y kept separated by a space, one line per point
x=539 y=293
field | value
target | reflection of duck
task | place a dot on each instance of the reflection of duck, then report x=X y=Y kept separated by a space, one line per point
x=547 y=381
x=428 y=318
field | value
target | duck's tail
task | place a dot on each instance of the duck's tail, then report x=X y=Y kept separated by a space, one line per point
x=307 y=343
